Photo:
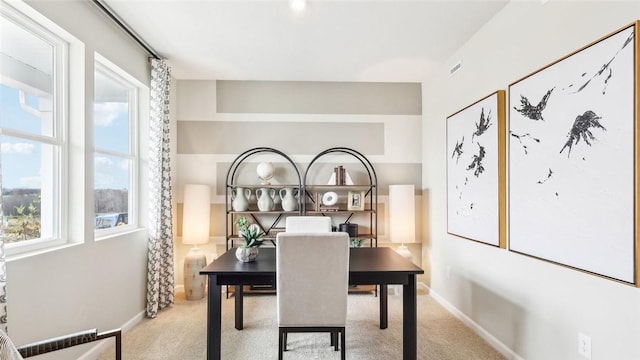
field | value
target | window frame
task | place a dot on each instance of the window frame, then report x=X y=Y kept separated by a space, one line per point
x=58 y=139
x=117 y=74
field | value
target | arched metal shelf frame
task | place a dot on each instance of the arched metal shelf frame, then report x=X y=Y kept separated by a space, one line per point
x=230 y=184
x=373 y=181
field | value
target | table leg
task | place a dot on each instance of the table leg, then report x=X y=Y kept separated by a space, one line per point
x=238 y=294
x=214 y=310
x=409 y=319
x=384 y=292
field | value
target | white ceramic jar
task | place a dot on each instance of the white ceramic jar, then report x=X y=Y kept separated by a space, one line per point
x=289 y=198
x=240 y=199
x=265 y=198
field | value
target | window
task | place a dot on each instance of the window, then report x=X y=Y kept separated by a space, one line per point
x=32 y=122
x=115 y=159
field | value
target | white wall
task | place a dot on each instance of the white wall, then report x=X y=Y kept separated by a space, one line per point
x=534 y=308
x=90 y=284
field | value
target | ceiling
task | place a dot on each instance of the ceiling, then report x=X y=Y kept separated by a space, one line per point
x=331 y=40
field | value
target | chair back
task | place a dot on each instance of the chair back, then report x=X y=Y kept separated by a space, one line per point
x=308 y=224
x=312 y=279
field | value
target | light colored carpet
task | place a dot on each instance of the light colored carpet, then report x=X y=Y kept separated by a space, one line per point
x=180 y=333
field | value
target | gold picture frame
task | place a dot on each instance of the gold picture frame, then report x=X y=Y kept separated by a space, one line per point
x=582 y=135
x=355 y=201
x=476 y=158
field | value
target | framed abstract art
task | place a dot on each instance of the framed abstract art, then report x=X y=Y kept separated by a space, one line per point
x=476 y=171
x=573 y=159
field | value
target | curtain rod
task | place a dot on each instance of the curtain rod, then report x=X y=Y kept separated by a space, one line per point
x=113 y=16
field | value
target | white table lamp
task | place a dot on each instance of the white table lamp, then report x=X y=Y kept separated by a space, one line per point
x=402 y=217
x=195 y=231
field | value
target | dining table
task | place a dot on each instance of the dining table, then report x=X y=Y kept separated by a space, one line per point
x=380 y=266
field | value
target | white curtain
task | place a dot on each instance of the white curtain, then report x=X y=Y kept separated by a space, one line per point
x=160 y=278
x=3 y=267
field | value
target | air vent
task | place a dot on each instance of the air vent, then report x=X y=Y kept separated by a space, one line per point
x=455 y=68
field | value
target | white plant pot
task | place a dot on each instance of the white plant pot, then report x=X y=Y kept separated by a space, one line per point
x=246 y=254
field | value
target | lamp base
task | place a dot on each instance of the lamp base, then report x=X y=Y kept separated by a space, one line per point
x=194 y=283
x=404 y=252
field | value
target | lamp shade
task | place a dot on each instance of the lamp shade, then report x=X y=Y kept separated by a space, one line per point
x=402 y=213
x=195 y=214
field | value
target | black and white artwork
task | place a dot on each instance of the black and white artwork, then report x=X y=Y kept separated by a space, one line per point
x=473 y=168
x=571 y=160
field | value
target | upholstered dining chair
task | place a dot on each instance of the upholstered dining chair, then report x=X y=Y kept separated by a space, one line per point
x=8 y=351
x=307 y=224
x=312 y=278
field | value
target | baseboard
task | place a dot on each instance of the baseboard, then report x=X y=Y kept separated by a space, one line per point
x=484 y=334
x=103 y=345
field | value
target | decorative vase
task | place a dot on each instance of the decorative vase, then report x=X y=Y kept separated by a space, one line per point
x=245 y=254
x=240 y=197
x=265 y=198
x=289 y=200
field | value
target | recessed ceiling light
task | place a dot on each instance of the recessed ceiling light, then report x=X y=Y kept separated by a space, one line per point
x=298 y=5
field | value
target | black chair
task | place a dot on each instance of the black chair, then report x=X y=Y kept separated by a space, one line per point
x=9 y=351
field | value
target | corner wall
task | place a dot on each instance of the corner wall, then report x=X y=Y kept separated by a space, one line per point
x=529 y=308
x=218 y=120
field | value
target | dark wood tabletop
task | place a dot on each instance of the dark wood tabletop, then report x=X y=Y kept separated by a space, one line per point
x=361 y=261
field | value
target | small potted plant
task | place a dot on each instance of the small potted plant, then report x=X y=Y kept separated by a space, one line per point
x=252 y=235
x=355 y=243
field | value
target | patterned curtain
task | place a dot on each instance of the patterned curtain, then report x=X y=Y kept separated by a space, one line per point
x=160 y=279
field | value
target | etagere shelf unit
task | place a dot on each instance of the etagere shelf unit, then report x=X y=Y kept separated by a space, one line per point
x=370 y=190
x=267 y=220
x=271 y=221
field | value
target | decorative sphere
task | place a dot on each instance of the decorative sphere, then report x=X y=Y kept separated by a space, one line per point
x=265 y=170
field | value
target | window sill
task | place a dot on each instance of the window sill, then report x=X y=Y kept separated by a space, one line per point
x=36 y=252
x=19 y=255
x=115 y=235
